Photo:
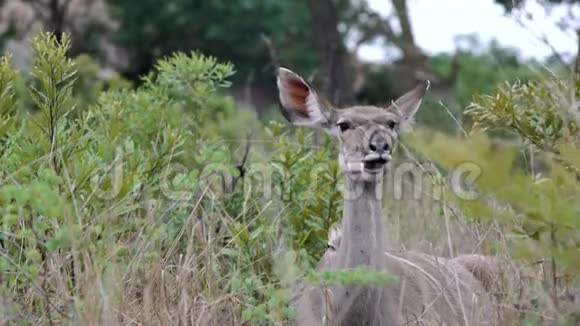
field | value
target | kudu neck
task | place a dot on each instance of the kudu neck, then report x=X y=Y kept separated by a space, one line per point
x=362 y=225
x=359 y=189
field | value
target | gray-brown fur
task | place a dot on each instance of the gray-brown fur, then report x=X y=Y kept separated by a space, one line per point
x=428 y=271
x=431 y=290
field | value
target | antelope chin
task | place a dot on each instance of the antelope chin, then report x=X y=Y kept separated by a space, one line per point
x=375 y=163
x=374 y=171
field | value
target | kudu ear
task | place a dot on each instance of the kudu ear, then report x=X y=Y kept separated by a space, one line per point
x=301 y=105
x=408 y=104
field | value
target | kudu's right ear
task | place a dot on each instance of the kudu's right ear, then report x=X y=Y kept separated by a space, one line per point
x=301 y=105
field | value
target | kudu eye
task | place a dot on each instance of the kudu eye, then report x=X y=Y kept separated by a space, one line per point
x=343 y=126
x=392 y=124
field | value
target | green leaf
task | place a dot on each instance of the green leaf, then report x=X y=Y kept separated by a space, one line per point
x=61 y=240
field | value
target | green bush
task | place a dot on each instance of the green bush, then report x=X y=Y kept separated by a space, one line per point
x=528 y=184
x=118 y=201
x=122 y=204
x=80 y=183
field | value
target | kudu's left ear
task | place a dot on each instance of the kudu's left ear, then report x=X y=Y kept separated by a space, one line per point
x=408 y=104
x=301 y=105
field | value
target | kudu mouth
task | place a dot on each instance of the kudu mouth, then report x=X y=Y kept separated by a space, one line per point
x=375 y=162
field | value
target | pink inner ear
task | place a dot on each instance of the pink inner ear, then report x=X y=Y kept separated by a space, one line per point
x=298 y=93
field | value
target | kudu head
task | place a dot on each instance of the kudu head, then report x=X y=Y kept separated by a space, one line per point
x=367 y=134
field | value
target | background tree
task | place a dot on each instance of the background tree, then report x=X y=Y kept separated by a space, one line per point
x=145 y=202
x=229 y=30
x=335 y=74
x=568 y=23
x=319 y=38
x=511 y=4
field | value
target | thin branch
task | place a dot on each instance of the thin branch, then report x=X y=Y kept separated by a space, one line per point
x=38 y=287
x=271 y=50
x=377 y=26
x=577 y=65
x=542 y=38
x=242 y=165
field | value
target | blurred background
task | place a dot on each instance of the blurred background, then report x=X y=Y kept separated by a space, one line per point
x=353 y=50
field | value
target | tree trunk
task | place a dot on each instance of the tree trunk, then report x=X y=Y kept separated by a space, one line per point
x=411 y=52
x=413 y=66
x=335 y=68
x=57 y=13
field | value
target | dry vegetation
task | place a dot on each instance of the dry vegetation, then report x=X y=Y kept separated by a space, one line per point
x=111 y=215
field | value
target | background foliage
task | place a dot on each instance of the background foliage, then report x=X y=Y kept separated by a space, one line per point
x=147 y=177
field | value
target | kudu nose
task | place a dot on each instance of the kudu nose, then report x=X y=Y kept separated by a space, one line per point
x=379 y=146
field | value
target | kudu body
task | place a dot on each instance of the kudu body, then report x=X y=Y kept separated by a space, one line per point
x=486 y=270
x=430 y=290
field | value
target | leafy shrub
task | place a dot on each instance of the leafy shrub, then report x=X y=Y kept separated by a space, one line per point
x=530 y=185
x=110 y=207
x=122 y=204
x=98 y=188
